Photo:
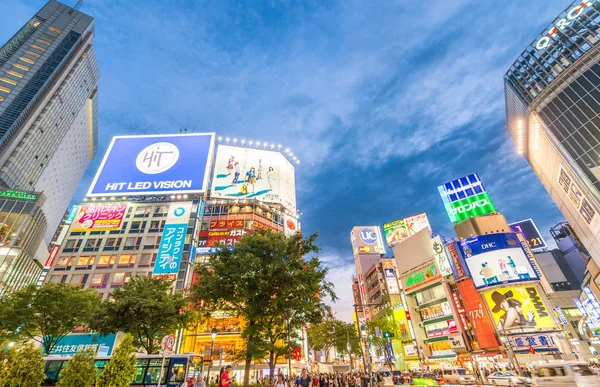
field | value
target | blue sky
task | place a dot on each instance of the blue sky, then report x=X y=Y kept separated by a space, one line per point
x=381 y=100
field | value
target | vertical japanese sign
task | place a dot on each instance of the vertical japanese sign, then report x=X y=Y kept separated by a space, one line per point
x=457 y=261
x=170 y=250
x=99 y=217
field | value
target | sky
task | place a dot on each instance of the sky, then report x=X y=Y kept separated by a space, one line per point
x=381 y=100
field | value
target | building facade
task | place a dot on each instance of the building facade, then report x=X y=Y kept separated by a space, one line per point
x=48 y=94
x=553 y=115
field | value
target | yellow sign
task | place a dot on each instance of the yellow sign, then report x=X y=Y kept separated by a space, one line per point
x=518 y=308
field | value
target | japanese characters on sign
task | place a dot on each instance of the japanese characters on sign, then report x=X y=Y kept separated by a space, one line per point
x=422 y=277
x=399 y=230
x=99 y=217
x=441 y=258
x=538 y=341
x=465 y=197
x=18 y=195
x=170 y=251
x=73 y=343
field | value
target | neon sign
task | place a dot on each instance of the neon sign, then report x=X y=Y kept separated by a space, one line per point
x=562 y=23
x=17 y=195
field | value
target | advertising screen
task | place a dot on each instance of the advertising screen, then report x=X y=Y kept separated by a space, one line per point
x=172 y=242
x=465 y=197
x=518 y=308
x=398 y=230
x=474 y=308
x=367 y=240
x=155 y=165
x=99 y=217
x=530 y=232
x=247 y=173
x=496 y=259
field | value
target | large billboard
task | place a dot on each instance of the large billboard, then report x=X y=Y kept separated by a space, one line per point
x=465 y=198
x=518 y=308
x=155 y=165
x=389 y=270
x=247 y=173
x=98 y=217
x=578 y=200
x=399 y=230
x=441 y=258
x=367 y=240
x=475 y=312
x=530 y=232
x=495 y=259
x=170 y=250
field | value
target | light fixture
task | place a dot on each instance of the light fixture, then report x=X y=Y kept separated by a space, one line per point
x=220 y=138
x=235 y=140
x=287 y=149
x=113 y=198
x=258 y=143
x=178 y=196
x=227 y=139
x=243 y=141
x=250 y=142
x=185 y=196
x=272 y=146
x=278 y=146
x=172 y=197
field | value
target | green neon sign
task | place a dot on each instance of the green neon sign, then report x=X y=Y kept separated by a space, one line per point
x=477 y=205
x=421 y=276
x=18 y=195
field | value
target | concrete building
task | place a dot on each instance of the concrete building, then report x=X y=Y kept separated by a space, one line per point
x=557 y=270
x=49 y=93
x=553 y=115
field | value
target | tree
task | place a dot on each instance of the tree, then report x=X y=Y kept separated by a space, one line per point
x=382 y=324
x=321 y=337
x=120 y=369
x=144 y=308
x=266 y=281
x=21 y=367
x=80 y=370
x=346 y=339
x=49 y=313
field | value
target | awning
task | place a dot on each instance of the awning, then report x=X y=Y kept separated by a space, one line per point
x=487 y=354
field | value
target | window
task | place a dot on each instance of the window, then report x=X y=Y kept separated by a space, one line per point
x=130 y=241
x=85 y=261
x=34 y=54
x=151 y=241
x=42 y=41
x=119 y=278
x=38 y=47
x=91 y=243
x=55 y=278
x=140 y=211
x=27 y=60
x=146 y=259
x=106 y=260
x=64 y=262
x=76 y=279
x=70 y=243
x=4 y=89
x=97 y=280
x=127 y=259
x=14 y=73
x=55 y=30
x=8 y=80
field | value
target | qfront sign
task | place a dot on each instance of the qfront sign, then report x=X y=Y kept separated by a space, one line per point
x=559 y=25
x=155 y=165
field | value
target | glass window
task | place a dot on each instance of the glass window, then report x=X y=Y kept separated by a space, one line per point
x=64 y=262
x=84 y=261
x=126 y=259
x=154 y=371
x=70 y=243
x=140 y=365
x=119 y=278
x=140 y=210
x=129 y=242
x=55 y=278
x=136 y=225
x=76 y=279
x=97 y=279
x=91 y=243
x=146 y=259
x=106 y=260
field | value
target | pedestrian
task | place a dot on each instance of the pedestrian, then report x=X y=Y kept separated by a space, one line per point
x=304 y=380
x=200 y=381
x=225 y=379
x=280 y=382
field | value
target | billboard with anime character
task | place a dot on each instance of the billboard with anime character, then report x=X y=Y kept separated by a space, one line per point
x=247 y=173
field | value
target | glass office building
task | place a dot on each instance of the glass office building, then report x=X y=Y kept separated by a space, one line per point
x=553 y=114
x=48 y=110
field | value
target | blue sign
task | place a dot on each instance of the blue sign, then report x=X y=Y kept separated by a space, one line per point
x=561 y=315
x=484 y=243
x=170 y=250
x=368 y=236
x=71 y=344
x=155 y=165
x=72 y=214
x=462 y=188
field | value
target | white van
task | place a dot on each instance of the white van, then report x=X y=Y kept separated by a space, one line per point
x=458 y=375
x=386 y=374
x=565 y=374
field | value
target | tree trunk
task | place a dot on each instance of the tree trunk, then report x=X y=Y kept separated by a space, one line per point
x=271 y=364
x=248 y=361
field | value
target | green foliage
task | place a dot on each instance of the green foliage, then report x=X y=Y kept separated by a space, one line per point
x=80 y=370
x=321 y=337
x=49 y=313
x=23 y=367
x=346 y=338
x=120 y=370
x=145 y=308
x=385 y=323
x=267 y=281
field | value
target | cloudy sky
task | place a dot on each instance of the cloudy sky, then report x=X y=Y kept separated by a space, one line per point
x=381 y=100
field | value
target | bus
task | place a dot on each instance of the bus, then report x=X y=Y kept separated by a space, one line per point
x=175 y=369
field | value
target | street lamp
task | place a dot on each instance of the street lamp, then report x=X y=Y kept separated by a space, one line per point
x=213 y=334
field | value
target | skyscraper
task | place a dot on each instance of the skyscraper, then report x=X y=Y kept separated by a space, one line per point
x=553 y=115
x=48 y=114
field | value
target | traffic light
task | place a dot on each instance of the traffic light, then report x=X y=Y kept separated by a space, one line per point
x=388 y=335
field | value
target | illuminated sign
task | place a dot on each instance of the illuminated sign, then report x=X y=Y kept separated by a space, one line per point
x=155 y=165
x=72 y=214
x=441 y=259
x=460 y=310
x=539 y=341
x=18 y=195
x=577 y=199
x=51 y=257
x=563 y=23
x=99 y=217
x=458 y=263
x=399 y=230
x=480 y=322
x=561 y=315
x=477 y=205
x=422 y=277
x=462 y=188
x=530 y=232
x=367 y=240
x=390 y=276
x=465 y=197
x=172 y=241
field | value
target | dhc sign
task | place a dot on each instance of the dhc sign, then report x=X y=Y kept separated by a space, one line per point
x=155 y=165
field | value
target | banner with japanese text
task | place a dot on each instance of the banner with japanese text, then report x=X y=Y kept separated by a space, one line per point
x=99 y=217
x=172 y=242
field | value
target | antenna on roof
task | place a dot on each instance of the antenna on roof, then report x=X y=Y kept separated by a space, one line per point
x=75 y=7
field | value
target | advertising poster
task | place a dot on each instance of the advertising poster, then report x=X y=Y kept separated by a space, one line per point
x=73 y=343
x=457 y=261
x=465 y=197
x=530 y=232
x=172 y=242
x=99 y=217
x=578 y=199
x=247 y=173
x=389 y=272
x=496 y=259
x=441 y=259
x=422 y=277
x=518 y=308
x=477 y=315
x=398 y=230
x=290 y=225
x=367 y=240
x=155 y=165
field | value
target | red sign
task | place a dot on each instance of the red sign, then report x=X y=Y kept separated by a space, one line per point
x=51 y=256
x=456 y=261
x=95 y=217
x=460 y=310
x=482 y=325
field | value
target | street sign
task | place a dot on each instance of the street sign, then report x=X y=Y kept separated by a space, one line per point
x=168 y=342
